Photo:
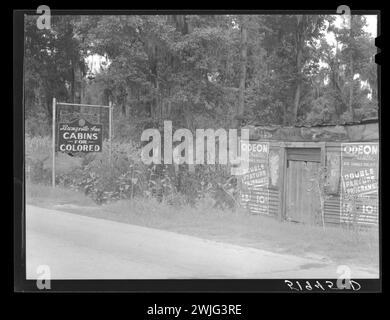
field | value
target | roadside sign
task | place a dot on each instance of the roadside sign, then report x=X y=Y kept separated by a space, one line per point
x=78 y=132
x=359 y=173
x=254 y=183
x=79 y=136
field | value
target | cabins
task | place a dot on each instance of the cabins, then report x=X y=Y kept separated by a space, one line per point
x=326 y=175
